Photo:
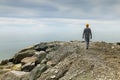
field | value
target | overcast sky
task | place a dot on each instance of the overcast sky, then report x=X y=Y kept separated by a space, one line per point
x=45 y=16
x=80 y=9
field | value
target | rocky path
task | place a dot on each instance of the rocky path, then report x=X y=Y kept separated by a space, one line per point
x=101 y=67
x=64 y=61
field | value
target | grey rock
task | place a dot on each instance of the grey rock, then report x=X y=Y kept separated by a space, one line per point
x=57 y=71
x=118 y=43
x=26 y=60
x=26 y=49
x=38 y=53
x=40 y=56
x=15 y=75
x=19 y=56
x=3 y=62
x=37 y=71
x=45 y=46
x=59 y=54
x=44 y=61
x=50 y=63
x=28 y=67
x=41 y=47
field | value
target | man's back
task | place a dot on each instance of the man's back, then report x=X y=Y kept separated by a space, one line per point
x=87 y=32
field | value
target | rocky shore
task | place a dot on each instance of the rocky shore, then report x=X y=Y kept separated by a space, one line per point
x=61 y=60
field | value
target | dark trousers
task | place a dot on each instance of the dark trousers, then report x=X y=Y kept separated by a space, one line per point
x=87 y=40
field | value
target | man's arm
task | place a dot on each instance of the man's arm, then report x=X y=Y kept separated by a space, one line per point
x=90 y=34
x=83 y=33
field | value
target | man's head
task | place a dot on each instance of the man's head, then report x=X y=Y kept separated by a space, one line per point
x=87 y=25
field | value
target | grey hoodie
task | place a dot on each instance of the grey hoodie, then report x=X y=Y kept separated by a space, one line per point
x=87 y=33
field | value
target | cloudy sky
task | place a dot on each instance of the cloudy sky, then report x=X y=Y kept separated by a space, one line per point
x=27 y=22
x=76 y=9
x=20 y=17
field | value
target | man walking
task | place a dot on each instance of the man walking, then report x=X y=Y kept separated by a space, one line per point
x=87 y=35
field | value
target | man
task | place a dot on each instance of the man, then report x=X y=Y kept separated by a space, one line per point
x=87 y=35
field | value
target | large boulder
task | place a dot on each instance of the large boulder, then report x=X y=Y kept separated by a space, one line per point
x=59 y=54
x=45 y=46
x=26 y=60
x=56 y=72
x=28 y=66
x=118 y=43
x=3 y=62
x=17 y=67
x=30 y=62
x=40 y=56
x=27 y=48
x=15 y=75
x=41 y=47
x=3 y=71
x=19 y=56
x=37 y=71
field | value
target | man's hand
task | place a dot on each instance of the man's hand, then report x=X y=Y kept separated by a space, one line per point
x=90 y=37
x=83 y=37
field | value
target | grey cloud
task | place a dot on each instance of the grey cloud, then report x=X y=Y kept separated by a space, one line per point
x=22 y=8
x=82 y=9
x=29 y=5
x=94 y=9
